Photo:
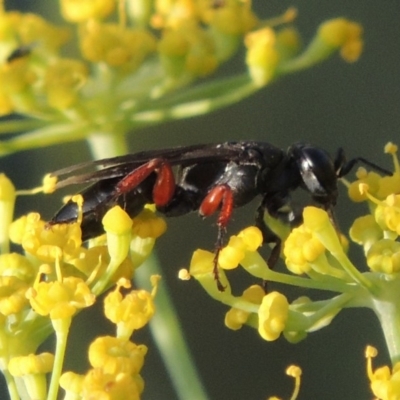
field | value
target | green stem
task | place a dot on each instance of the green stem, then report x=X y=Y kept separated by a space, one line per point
x=175 y=352
x=11 y=386
x=61 y=327
x=19 y=125
x=167 y=333
x=256 y=265
x=198 y=102
x=49 y=135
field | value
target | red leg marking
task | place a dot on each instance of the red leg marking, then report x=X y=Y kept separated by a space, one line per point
x=219 y=197
x=164 y=186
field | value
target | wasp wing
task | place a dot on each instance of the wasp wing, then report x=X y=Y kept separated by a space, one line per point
x=177 y=156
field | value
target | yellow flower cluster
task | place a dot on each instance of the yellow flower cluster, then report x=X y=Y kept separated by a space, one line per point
x=378 y=232
x=116 y=361
x=55 y=279
x=318 y=251
x=127 y=60
x=384 y=382
x=35 y=77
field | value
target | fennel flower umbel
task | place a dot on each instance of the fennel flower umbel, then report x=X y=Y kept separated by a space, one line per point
x=316 y=257
x=111 y=68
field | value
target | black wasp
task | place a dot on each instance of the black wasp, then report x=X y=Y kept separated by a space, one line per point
x=208 y=178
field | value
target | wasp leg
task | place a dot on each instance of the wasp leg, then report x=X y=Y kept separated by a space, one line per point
x=219 y=197
x=268 y=237
x=164 y=186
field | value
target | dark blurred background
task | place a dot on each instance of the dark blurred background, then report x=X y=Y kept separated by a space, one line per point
x=332 y=105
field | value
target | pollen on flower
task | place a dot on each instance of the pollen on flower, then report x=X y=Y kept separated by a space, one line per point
x=272 y=315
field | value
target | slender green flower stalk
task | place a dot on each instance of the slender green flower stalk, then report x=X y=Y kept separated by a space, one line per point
x=316 y=258
x=138 y=63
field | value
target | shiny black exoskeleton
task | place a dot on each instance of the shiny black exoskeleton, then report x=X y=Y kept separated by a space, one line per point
x=208 y=178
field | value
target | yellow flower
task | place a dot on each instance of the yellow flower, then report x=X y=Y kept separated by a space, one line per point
x=300 y=249
x=115 y=46
x=345 y=34
x=234 y=18
x=371 y=179
x=235 y=317
x=12 y=295
x=31 y=364
x=82 y=10
x=272 y=315
x=99 y=385
x=129 y=312
x=173 y=13
x=249 y=239
x=63 y=81
x=14 y=264
x=117 y=225
x=189 y=50
x=262 y=57
x=58 y=242
x=385 y=384
x=60 y=300
x=384 y=256
x=116 y=355
x=387 y=214
x=365 y=231
x=147 y=224
x=72 y=383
